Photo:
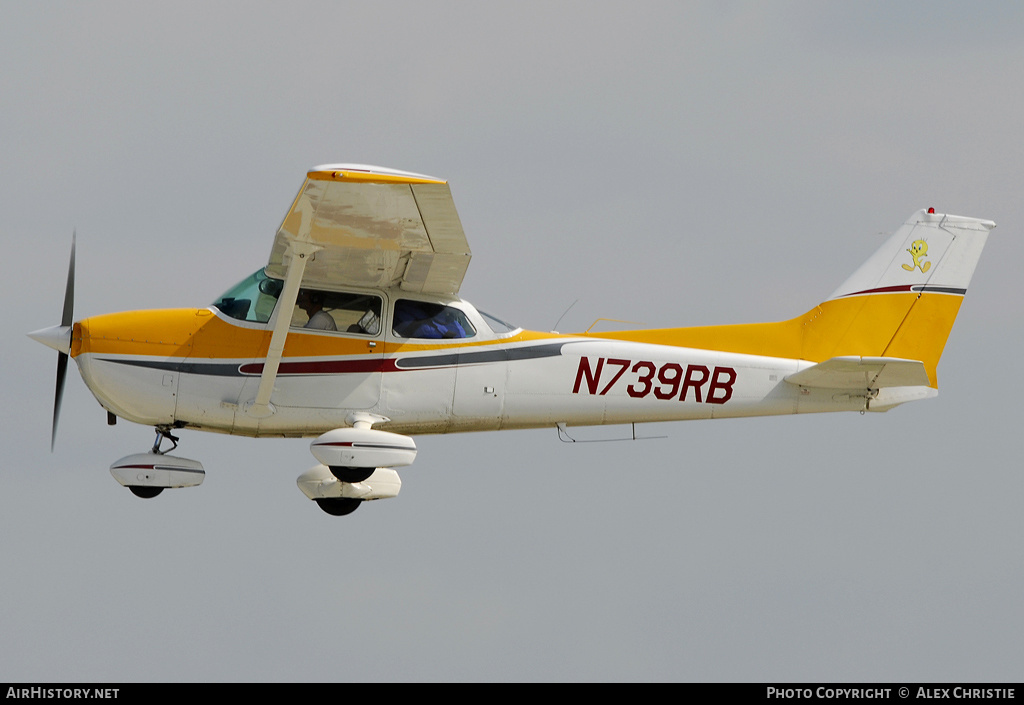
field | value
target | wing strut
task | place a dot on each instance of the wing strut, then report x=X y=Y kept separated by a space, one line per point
x=301 y=253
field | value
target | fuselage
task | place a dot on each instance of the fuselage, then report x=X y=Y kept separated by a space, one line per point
x=200 y=368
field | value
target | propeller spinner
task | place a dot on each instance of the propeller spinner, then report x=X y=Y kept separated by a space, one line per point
x=59 y=338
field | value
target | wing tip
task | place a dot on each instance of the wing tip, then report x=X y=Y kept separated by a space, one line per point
x=366 y=173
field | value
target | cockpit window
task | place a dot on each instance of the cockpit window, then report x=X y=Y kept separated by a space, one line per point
x=337 y=311
x=252 y=299
x=422 y=319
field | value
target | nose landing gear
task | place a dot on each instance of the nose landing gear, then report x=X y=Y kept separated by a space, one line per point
x=149 y=474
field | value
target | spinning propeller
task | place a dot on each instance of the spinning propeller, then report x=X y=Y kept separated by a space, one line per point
x=59 y=338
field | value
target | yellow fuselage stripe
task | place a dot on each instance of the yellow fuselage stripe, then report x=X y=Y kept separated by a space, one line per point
x=905 y=325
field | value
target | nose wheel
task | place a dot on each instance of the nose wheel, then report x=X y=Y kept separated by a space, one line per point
x=161 y=433
x=149 y=474
x=143 y=491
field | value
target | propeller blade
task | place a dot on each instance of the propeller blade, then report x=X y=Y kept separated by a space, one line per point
x=62 y=369
x=67 y=319
x=68 y=316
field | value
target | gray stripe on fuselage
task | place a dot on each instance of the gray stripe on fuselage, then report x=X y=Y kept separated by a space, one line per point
x=477 y=357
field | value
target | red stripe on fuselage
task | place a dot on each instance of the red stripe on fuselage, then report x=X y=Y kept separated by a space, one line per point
x=324 y=367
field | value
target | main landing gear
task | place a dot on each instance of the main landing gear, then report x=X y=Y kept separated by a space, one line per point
x=356 y=465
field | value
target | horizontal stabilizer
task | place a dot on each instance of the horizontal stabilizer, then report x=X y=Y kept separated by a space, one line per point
x=854 y=372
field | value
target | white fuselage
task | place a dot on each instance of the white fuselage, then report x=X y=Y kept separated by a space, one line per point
x=517 y=380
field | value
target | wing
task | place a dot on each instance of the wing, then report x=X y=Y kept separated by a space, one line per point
x=374 y=227
x=354 y=225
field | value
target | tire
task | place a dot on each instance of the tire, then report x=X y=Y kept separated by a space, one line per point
x=351 y=474
x=339 y=506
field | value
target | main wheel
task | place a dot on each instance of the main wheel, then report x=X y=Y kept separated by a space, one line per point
x=351 y=474
x=339 y=506
x=145 y=492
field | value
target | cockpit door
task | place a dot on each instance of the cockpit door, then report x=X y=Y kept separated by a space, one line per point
x=333 y=356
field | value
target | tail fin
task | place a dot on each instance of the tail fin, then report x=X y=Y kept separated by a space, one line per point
x=901 y=303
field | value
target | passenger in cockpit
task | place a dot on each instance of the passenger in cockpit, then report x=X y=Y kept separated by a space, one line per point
x=420 y=319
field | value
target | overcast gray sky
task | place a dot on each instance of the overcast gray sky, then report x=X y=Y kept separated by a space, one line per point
x=672 y=163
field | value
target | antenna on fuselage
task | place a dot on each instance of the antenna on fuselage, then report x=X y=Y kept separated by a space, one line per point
x=564 y=437
x=554 y=328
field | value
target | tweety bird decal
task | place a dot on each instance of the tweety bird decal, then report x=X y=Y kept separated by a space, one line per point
x=918 y=250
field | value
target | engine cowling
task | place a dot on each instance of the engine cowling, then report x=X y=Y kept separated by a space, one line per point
x=157 y=471
x=363 y=448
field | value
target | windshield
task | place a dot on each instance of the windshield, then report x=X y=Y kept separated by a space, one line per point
x=252 y=299
x=497 y=325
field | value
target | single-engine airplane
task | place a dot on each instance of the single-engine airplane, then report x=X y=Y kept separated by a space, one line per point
x=354 y=333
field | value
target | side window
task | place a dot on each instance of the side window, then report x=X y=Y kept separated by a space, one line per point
x=337 y=311
x=422 y=319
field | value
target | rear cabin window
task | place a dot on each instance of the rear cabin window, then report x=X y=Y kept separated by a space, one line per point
x=422 y=319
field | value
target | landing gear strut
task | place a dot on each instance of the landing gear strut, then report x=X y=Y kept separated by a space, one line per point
x=163 y=432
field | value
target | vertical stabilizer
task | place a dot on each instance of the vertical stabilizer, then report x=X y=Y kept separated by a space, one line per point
x=930 y=252
x=903 y=301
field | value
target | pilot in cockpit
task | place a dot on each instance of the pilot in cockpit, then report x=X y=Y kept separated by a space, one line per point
x=312 y=302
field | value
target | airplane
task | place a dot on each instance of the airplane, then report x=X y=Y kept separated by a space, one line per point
x=354 y=334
